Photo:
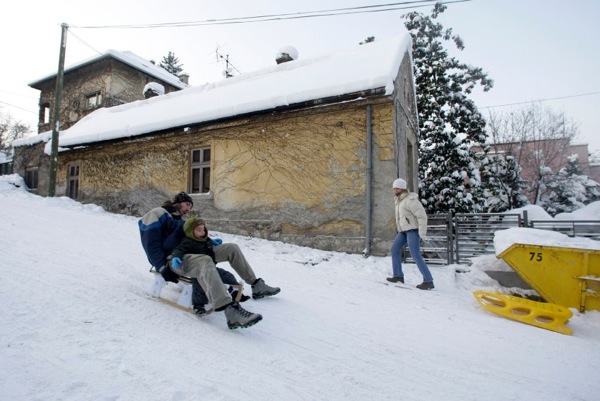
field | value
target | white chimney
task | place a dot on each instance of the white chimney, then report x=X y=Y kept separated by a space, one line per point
x=285 y=54
x=185 y=78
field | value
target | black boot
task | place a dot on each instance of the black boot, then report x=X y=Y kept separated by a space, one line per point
x=199 y=310
x=426 y=285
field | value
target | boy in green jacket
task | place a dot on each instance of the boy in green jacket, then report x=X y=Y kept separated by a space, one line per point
x=197 y=255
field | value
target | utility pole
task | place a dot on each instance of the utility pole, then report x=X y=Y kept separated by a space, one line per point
x=56 y=120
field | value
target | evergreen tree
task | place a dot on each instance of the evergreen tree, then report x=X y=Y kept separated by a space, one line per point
x=171 y=63
x=503 y=186
x=570 y=189
x=449 y=122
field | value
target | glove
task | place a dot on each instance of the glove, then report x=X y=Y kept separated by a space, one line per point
x=175 y=263
x=217 y=241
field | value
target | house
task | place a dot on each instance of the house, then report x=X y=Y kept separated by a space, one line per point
x=594 y=173
x=107 y=80
x=303 y=152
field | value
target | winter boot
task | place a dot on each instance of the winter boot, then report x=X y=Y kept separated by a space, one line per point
x=199 y=310
x=425 y=285
x=260 y=289
x=240 y=318
x=396 y=279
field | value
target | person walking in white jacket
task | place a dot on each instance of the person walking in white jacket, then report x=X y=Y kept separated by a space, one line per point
x=411 y=224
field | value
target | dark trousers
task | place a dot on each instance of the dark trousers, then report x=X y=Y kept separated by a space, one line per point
x=199 y=296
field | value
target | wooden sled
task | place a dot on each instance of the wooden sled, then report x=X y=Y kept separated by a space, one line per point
x=545 y=315
x=184 y=302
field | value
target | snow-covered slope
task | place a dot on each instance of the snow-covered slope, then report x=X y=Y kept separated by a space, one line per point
x=77 y=323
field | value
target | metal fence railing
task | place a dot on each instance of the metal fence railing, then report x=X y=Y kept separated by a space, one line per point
x=474 y=232
x=572 y=228
x=459 y=238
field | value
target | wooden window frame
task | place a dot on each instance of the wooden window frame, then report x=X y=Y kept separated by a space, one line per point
x=200 y=159
x=73 y=181
x=97 y=100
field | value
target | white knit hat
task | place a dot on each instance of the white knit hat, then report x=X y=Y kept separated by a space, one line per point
x=399 y=183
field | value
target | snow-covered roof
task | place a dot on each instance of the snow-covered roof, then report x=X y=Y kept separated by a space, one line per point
x=365 y=67
x=128 y=58
x=32 y=140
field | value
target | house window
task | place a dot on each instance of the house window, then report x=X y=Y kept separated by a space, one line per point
x=73 y=182
x=31 y=178
x=200 y=171
x=45 y=113
x=93 y=100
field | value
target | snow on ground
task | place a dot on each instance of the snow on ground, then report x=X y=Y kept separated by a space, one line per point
x=78 y=323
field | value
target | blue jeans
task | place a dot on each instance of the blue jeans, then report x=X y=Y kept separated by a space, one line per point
x=412 y=237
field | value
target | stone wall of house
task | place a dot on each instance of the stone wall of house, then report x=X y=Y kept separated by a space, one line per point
x=33 y=157
x=297 y=177
x=406 y=125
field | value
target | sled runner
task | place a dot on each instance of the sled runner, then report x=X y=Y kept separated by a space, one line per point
x=545 y=315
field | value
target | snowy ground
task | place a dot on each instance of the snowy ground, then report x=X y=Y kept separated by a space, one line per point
x=78 y=323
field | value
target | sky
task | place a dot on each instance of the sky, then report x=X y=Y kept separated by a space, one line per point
x=78 y=323
x=538 y=50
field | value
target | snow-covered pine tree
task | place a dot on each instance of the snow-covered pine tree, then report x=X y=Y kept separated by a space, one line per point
x=570 y=189
x=171 y=63
x=503 y=184
x=450 y=125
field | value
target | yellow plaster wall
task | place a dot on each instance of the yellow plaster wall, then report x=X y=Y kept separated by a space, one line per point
x=314 y=160
x=159 y=163
x=317 y=160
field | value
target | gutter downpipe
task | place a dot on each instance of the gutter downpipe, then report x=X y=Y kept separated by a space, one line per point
x=369 y=183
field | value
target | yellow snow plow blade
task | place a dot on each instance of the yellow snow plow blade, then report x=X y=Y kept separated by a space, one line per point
x=547 y=316
x=565 y=276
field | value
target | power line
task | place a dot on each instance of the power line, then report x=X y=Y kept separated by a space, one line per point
x=18 y=94
x=278 y=17
x=85 y=43
x=540 y=100
x=17 y=107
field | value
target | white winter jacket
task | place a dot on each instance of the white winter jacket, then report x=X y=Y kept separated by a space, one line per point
x=410 y=213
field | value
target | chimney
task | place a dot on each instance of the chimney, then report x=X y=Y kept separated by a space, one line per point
x=285 y=54
x=185 y=78
x=153 y=89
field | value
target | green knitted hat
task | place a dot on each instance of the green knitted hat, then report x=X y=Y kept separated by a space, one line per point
x=189 y=226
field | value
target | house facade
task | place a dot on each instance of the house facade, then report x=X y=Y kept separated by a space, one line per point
x=108 y=80
x=289 y=153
